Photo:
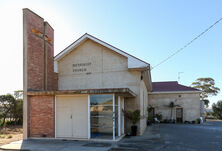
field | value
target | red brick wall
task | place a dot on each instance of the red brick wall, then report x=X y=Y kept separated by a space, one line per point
x=50 y=58
x=40 y=74
x=35 y=48
x=40 y=58
x=41 y=116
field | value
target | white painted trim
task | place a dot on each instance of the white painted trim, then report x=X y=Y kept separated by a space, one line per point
x=55 y=116
x=133 y=62
x=177 y=92
x=119 y=117
x=123 y=122
x=55 y=66
x=114 y=117
x=69 y=48
x=68 y=95
x=89 y=124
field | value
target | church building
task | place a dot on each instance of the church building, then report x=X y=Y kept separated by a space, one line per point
x=81 y=92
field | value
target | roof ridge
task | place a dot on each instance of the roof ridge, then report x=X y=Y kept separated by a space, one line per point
x=188 y=86
x=116 y=48
x=165 y=81
x=104 y=43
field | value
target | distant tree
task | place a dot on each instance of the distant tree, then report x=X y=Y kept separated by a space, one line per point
x=217 y=109
x=11 y=106
x=7 y=103
x=17 y=111
x=207 y=86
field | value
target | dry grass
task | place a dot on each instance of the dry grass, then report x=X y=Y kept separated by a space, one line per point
x=10 y=134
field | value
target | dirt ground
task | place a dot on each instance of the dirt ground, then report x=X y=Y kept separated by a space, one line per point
x=10 y=134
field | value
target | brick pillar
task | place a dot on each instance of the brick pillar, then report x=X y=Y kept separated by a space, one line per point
x=38 y=66
x=33 y=50
x=41 y=116
x=50 y=75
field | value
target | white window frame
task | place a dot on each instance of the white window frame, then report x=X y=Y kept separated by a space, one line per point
x=119 y=116
x=89 y=124
x=114 y=120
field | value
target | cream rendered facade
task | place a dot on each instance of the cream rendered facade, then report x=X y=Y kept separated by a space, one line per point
x=189 y=102
x=80 y=93
x=93 y=66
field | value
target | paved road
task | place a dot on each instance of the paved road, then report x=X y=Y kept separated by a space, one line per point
x=206 y=137
x=160 y=137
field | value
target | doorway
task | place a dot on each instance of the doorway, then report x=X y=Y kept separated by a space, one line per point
x=179 y=115
x=71 y=117
x=106 y=119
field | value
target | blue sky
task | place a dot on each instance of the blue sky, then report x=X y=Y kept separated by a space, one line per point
x=150 y=30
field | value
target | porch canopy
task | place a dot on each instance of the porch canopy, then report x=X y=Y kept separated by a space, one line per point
x=125 y=92
x=97 y=116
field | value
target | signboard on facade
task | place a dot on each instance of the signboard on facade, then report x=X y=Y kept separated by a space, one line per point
x=80 y=67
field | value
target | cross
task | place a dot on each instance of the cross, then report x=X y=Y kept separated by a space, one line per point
x=38 y=33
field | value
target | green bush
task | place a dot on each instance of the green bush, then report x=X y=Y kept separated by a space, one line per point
x=150 y=119
x=9 y=123
x=217 y=109
x=158 y=116
x=1 y=123
x=165 y=121
x=187 y=122
x=133 y=116
x=198 y=120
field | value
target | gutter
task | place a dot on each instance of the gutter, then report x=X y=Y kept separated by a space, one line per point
x=173 y=92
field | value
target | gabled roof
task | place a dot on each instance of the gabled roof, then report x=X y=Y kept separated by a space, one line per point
x=133 y=62
x=171 y=86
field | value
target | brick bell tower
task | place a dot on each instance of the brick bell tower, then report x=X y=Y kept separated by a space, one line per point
x=38 y=75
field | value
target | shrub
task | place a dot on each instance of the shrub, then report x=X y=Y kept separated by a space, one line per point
x=198 y=120
x=217 y=109
x=165 y=121
x=158 y=116
x=186 y=122
x=9 y=123
x=1 y=122
x=133 y=116
x=150 y=119
x=193 y=122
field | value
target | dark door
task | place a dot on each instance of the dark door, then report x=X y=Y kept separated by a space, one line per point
x=151 y=112
x=179 y=115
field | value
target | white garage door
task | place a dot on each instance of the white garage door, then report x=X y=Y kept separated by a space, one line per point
x=72 y=116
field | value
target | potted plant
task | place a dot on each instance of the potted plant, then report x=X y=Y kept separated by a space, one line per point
x=134 y=117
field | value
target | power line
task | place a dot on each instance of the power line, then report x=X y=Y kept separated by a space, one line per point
x=186 y=45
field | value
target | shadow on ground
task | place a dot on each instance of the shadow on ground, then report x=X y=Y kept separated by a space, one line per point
x=160 y=137
x=149 y=141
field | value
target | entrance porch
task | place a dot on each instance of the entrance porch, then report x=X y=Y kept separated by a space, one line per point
x=89 y=114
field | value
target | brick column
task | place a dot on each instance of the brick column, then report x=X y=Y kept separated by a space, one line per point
x=38 y=73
